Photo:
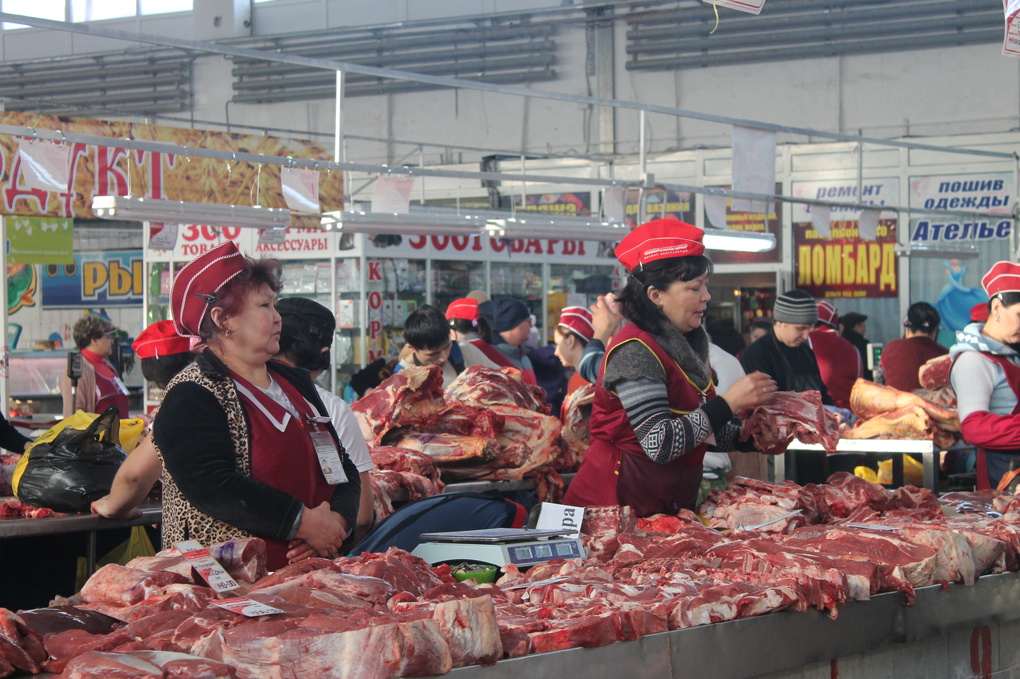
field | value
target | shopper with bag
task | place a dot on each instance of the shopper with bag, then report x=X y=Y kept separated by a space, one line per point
x=246 y=442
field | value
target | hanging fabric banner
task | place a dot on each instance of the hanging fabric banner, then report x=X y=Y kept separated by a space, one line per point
x=392 y=194
x=754 y=167
x=300 y=189
x=45 y=166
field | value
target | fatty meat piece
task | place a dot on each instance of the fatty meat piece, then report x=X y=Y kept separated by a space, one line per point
x=121 y=585
x=401 y=400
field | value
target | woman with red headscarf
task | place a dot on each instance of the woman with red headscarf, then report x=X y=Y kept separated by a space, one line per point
x=246 y=442
x=986 y=377
x=655 y=407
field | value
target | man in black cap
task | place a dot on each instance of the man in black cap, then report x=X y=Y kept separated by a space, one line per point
x=785 y=355
x=854 y=327
x=511 y=326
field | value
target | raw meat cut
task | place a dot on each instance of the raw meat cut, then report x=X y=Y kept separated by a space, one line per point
x=122 y=585
x=401 y=400
x=910 y=422
x=463 y=419
x=786 y=416
x=577 y=412
x=389 y=485
x=935 y=373
x=450 y=448
x=14 y=508
x=869 y=399
x=481 y=386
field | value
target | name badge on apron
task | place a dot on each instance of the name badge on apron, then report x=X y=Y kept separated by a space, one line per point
x=329 y=457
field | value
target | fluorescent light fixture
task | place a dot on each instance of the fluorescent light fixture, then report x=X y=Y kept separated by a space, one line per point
x=527 y=225
x=739 y=241
x=928 y=250
x=180 y=212
x=398 y=224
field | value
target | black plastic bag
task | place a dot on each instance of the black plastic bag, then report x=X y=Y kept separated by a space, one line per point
x=76 y=468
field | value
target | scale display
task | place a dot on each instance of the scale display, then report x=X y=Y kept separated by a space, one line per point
x=499 y=546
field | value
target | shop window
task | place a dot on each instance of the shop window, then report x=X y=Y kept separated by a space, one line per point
x=94 y=10
x=43 y=9
x=165 y=6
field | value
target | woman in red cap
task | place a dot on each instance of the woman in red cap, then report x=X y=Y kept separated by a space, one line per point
x=246 y=442
x=162 y=353
x=986 y=377
x=655 y=404
x=572 y=335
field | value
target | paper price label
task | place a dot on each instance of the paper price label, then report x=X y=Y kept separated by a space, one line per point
x=247 y=607
x=209 y=568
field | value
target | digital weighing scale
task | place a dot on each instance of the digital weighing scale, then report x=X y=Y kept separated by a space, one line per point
x=523 y=547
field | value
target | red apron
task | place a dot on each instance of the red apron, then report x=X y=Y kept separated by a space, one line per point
x=497 y=357
x=1013 y=379
x=282 y=454
x=616 y=470
x=110 y=390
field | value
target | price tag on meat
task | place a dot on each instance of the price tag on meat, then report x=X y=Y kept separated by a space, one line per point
x=247 y=607
x=208 y=567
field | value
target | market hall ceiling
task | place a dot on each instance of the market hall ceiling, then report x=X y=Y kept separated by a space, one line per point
x=507 y=48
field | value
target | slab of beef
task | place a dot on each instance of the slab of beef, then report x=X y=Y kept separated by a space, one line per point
x=244 y=559
x=118 y=584
x=577 y=412
x=401 y=400
x=909 y=422
x=749 y=502
x=463 y=419
x=447 y=449
x=943 y=396
x=20 y=646
x=935 y=373
x=331 y=649
x=100 y=665
x=404 y=460
x=61 y=618
x=388 y=485
x=868 y=399
x=786 y=416
x=481 y=386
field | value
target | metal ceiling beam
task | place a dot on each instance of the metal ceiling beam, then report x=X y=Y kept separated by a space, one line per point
x=456 y=83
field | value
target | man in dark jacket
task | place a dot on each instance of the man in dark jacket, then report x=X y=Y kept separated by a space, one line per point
x=854 y=327
x=785 y=355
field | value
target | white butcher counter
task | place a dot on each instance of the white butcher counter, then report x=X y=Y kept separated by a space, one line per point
x=895 y=448
x=958 y=631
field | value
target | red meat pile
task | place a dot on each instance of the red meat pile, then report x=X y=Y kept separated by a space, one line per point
x=487 y=425
x=390 y=615
x=13 y=508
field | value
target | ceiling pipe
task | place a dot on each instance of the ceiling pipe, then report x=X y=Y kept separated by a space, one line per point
x=903 y=27
x=817 y=52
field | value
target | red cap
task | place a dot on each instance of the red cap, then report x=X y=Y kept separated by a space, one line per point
x=827 y=314
x=1002 y=277
x=160 y=339
x=464 y=308
x=577 y=319
x=195 y=286
x=659 y=239
x=979 y=312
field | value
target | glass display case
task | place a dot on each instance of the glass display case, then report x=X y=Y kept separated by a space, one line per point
x=578 y=285
x=455 y=279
